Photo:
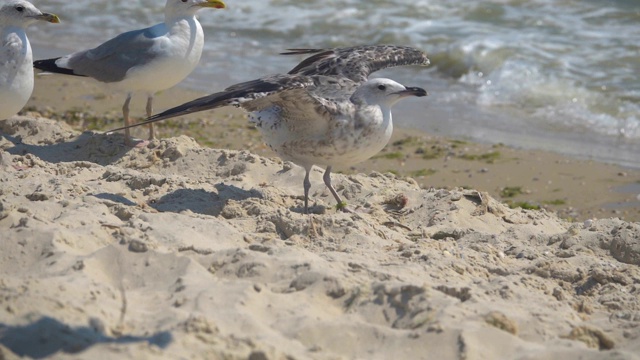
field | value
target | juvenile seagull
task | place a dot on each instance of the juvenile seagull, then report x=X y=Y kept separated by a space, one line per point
x=16 y=71
x=325 y=111
x=147 y=60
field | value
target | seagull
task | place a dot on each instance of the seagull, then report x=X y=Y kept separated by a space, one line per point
x=325 y=111
x=16 y=72
x=146 y=60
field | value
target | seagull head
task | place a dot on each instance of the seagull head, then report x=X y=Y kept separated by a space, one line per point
x=22 y=13
x=179 y=8
x=381 y=91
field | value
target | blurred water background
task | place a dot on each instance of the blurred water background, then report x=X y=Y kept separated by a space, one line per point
x=559 y=75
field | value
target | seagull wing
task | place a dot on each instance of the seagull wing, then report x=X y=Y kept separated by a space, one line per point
x=308 y=112
x=296 y=94
x=11 y=51
x=357 y=62
x=110 y=61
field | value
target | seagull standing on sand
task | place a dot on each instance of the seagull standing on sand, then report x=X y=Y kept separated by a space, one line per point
x=146 y=60
x=16 y=71
x=323 y=112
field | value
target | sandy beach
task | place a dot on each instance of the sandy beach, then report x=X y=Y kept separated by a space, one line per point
x=195 y=245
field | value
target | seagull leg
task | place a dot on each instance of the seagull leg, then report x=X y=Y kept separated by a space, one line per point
x=306 y=184
x=127 y=121
x=327 y=181
x=152 y=133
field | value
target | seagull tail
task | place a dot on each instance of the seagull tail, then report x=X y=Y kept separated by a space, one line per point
x=49 y=65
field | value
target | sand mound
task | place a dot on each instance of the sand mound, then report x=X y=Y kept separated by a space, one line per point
x=172 y=250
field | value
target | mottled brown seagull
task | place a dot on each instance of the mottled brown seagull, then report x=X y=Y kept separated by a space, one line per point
x=325 y=111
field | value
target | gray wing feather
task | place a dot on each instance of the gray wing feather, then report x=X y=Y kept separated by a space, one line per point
x=325 y=93
x=357 y=62
x=110 y=61
x=251 y=95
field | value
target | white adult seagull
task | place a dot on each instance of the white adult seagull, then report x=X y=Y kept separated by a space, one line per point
x=16 y=71
x=146 y=60
x=323 y=112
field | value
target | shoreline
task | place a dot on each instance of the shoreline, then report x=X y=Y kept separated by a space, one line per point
x=447 y=122
x=575 y=189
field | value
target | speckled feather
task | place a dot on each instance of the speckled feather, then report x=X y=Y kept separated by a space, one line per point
x=357 y=62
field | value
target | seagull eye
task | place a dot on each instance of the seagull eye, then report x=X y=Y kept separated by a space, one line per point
x=382 y=87
x=20 y=8
x=185 y=0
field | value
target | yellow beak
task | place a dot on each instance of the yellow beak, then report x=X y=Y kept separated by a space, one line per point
x=216 y=4
x=52 y=18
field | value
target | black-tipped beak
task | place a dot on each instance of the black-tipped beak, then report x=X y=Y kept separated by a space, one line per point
x=413 y=91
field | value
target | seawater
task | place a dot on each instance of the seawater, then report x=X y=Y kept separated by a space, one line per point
x=543 y=74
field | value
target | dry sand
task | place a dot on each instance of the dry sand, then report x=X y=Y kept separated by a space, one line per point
x=174 y=250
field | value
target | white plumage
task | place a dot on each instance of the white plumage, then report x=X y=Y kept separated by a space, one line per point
x=16 y=69
x=146 y=60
